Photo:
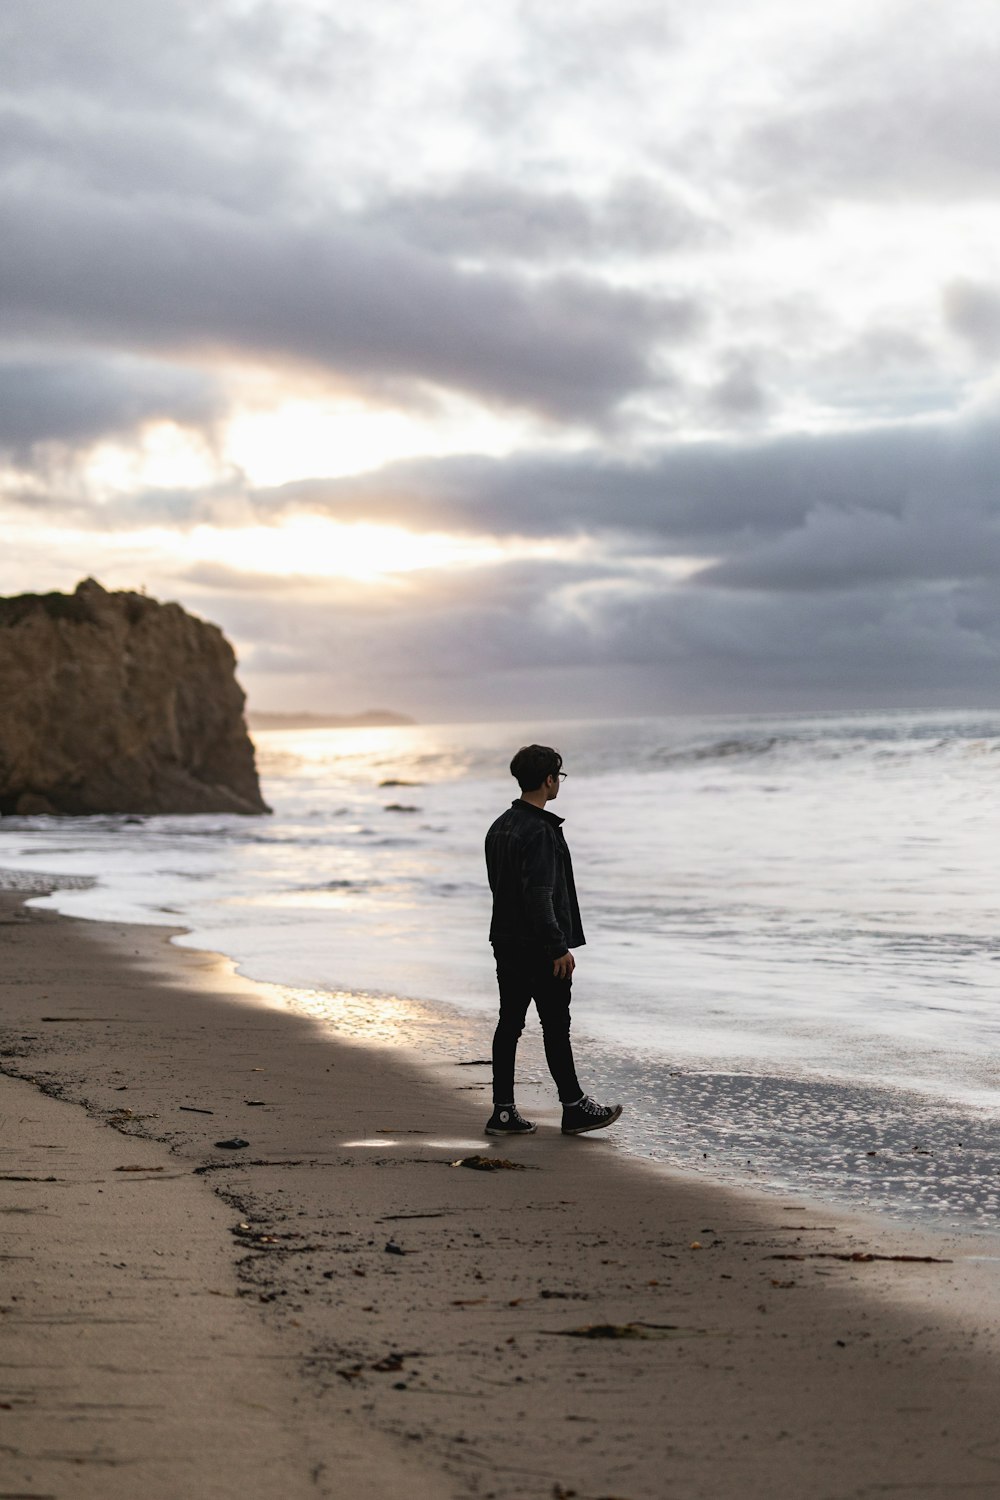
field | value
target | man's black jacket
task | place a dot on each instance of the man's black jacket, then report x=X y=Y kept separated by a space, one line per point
x=531 y=877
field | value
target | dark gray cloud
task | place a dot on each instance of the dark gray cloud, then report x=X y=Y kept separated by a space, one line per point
x=114 y=51
x=547 y=635
x=154 y=202
x=831 y=511
x=452 y=634
x=741 y=393
x=188 y=157
x=198 y=279
x=717 y=646
x=76 y=400
x=694 y=495
x=699 y=498
x=122 y=99
x=852 y=547
x=835 y=572
x=495 y=219
x=972 y=310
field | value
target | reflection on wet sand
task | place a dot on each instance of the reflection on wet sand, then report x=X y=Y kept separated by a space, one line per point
x=437 y=1144
x=385 y=1020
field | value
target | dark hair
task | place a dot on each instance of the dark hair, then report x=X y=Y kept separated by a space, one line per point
x=533 y=763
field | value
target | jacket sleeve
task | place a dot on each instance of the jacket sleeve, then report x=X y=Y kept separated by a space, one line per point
x=539 y=873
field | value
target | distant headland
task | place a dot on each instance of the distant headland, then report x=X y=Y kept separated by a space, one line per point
x=372 y=718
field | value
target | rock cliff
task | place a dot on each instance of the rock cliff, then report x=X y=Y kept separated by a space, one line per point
x=115 y=703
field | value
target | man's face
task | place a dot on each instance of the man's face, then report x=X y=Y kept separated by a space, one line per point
x=552 y=785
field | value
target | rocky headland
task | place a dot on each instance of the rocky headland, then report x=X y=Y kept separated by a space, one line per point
x=116 y=703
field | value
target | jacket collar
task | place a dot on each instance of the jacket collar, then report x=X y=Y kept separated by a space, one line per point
x=538 y=812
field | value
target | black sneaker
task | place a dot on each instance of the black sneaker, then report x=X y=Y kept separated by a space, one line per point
x=588 y=1115
x=505 y=1120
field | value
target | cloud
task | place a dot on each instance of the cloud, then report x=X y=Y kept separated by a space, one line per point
x=122 y=100
x=740 y=393
x=704 y=498
x=972 y=311
x=160 y=197
x=495 y=219
x=800 y=511
x=76 y=400
x=72 y=49
x=177 y=278
x=905 y=110
x=438 y=639
x=189 y=156
x=628 y=223
x=833 y=573
x=891 y=645
x=543 y=636
x=578 y=73
x=690 y=495
x=837 y=572
x=846 y=549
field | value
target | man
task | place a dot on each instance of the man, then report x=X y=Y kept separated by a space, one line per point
x=536 y=922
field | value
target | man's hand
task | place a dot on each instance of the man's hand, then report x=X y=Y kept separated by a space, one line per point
x=563 y=967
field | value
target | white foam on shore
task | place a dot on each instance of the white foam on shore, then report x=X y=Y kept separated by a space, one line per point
x=39 y=884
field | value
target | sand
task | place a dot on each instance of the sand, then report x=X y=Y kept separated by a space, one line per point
x=337 y=1310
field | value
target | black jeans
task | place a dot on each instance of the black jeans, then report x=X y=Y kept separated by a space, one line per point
x=525 y=974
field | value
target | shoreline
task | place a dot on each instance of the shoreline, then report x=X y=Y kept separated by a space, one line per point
x=431 y=1021
x=745 y=1375
x=897 y=1148
x=423 y=1021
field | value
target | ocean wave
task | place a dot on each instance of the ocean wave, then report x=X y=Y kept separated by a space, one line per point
x=876 y=745
x=342 y=885
x=717 y=750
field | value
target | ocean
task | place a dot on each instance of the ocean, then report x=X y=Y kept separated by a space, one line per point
x=790 y=978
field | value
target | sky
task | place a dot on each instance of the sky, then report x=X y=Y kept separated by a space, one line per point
x=507 y=360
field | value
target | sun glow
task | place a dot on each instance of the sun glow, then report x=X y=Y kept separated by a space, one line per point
x=313 y=546
x=308 y=549
x=312 y=438
x=166 y=456
x=288 y=440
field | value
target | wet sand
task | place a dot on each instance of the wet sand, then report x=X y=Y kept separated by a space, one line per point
x=335 y=1309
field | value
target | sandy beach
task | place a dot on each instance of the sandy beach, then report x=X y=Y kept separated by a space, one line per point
x=335 y=1308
